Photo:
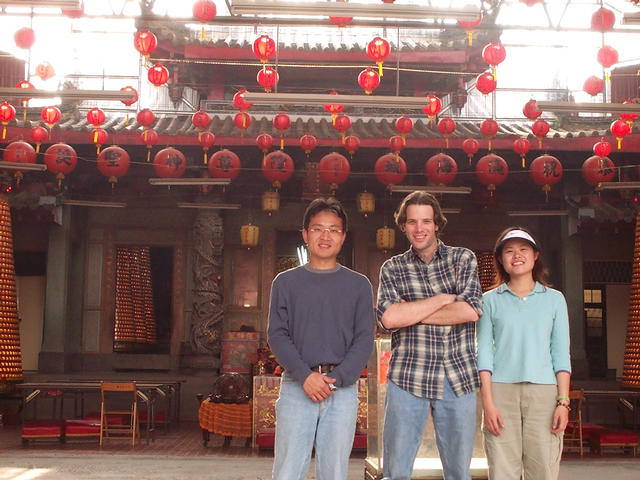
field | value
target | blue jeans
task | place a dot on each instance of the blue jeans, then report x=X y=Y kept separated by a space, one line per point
x=301 y=421
x=454 y=419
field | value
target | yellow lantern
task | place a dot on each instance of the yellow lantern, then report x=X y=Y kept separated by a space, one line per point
x=249 y=235
x=366 y=203
x=386 y=238
x=270 y=202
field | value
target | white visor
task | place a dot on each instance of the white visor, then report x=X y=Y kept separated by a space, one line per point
x=517 y=234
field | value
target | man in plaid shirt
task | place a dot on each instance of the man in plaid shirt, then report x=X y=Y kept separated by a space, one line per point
x=429 y=299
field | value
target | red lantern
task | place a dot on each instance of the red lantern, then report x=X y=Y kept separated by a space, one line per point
x=38 y=135
x=27 y=86
x=95 y=117
x=308 y=142
x=446 y=126
x=224 y=164
x=333 y=169
x=282 y=122
x=264 y=48
x=277 y=167
x=201 y=120
x=607 y=56
x=521 y=146
x=489 y=128
x=597 y=169
x=404 y=125
x=390 y=169
x=239 y=102
x=492 y=170
x=50 y=116
x=206 y=140
x=396 y=144
x=74 y=12
x=342 y=123
x=333 y=109
x=7 y=113
x=341 y=21
x=45 y=71
x=629 y=117
x=204 y=11
x=60 y=159
x=113 y=162
x=242 y=120
x=145 y=42
x=158 y=74
x=603 y=20
x=268 y=78
x=494 y=54
x=368 y=79
x=99 y=137
x=441 y=169
x=264 y=142
x=434 y=105
x=540 y=128
x=530 y=110
x=593 y=85
x=486 y=83
x=169 y=163
x=470 y=26
x=128 y=103
x=351 y=144
x=24 y=38
x=620 y=129
x=546 y=170
x=149 y=138
x=146 y=117
x=602 y=148
x=470 y=147
x=19 y=152
x=378 y=50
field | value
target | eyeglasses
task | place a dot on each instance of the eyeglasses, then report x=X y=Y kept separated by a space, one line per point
x=320 y=231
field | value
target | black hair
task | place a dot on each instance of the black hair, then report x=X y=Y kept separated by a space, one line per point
x=329 y=204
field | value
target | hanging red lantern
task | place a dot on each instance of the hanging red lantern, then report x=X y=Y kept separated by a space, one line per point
x=27 y=86
x=492 y=170
x=206 y=140
x=204 y=11
x=113 y=163
x=201 y=120
x=620 y=129
x=24 y=38
x=60 y=159
x=99 y=137
x=242 y=120
x=342 y=123
x=351 y=144
x=378 y=50
x=264 y=48
x=7 y=113
x=521 y=146
x=603 y=20
x=540 y=128
x=441 y=169
x=128 y=88
x=239 y=102
x=602 y=148
x=404 y=125
x=264 y=142
x=169 y=163
x=149 y=138
x=145 y=42
x=333 y=169
x=333 y=109
x=396 y=144
x=308 y=142
x=19 y=152
x=597 y=169
x=368 y=79
x=277 y=167
x=546 y=170
x=95 y=117
x=434 y=105
x=470 y=26
x=146 y=117
x=38 y=135
x=629 y=117
x=470 y=147
x=76 y=12
x=50 y=116
x=446 y=126
x=530 y=110
x=494 y=54
x=390 y=169
x=268 y=78
x=593 y=85
x=489 y=128
x=281 y=122
x=224 y=164
x=341 y=21
x=158 y=74
x=486 y=83
x=45 y=71
x=607 y=57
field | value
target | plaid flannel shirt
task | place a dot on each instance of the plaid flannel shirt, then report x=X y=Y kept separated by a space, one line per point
x=421 y=355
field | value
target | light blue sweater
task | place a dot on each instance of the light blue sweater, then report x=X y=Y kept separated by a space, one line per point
x=524 y=340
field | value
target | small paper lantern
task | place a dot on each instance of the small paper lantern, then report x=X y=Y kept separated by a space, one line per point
x=385 y=239
x=99 y=137
x=224 y=164
x=204 y=11
x=603 y=20
x=494 y=54
x=602 y=148
x=113 y=162
x=593 y=85
x=242 y=120
x=434 y=105
x=19 y=152
x=249 y=235
x=50 y=116
x=24 y=38
x=60 y=159
x=404 y=125
x=149 y=138
x=76 y=12
x=270 y=202
x=396 y=144
x=489 y=128
x=540 y=128
x=267 y=78
x=486 y=83
x=281 y=122
x=629 y=117
x=333 y=169
x=597 y=169
x=128 y=103
x=7 y=113
x=169 y=163
x=390 y=169
x=158 y=74
x=201 y=120
x=45 y=71
x=333 y=109
x=145 y=42
x=546 y=170
x=492 y=170
x=351 y=144
x=366 y=202
x=341 y=21
x=378 y=50
x=95 y=117
x=368 y=79
x=264 y=142
x=620 y=129
x=206 y=140
x=470 y=147
x=38 y=135
x=530 y=110
x=264 y=48
x=146 y=117
x=441 y=169
x=521 y=146
x=308 y=142
x=470 y=26
x=239 y=102
x=342 y=123
x=277 y=167
x=446 y=126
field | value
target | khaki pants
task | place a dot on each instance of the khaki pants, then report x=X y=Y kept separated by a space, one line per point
x=526 y=445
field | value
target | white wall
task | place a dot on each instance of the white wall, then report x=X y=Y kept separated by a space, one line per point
x=31 y=313
x=617 y=313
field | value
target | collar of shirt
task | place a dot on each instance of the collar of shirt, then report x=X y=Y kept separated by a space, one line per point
x=537 y=288
x=441 y=252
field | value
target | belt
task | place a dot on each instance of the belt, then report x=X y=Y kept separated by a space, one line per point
x=323 y=368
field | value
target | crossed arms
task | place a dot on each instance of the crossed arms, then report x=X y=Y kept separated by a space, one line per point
x=441 y=309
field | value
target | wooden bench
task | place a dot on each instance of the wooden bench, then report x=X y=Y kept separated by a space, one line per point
x=624 y=439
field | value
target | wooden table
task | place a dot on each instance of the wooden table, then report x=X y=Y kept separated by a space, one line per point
x=629 y=398
x=226 y=419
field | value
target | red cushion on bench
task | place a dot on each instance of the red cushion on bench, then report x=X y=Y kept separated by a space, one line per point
x=615 y=437
x=589 y=428
x=42 y=429
x=81 y=427
x=161 y=416
x=112 y=419
x=266 y=439
x=360 y=440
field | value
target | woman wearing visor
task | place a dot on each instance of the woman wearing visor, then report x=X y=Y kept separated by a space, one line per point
x=524 y=365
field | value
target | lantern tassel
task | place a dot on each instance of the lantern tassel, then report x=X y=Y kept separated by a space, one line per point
x=343 y=138
x=202 y=33
x=4 y=133
x=618 y=138
x=333 y=119
x=126 y=119
x=470 y=37
x=205 y=157
x=98 y=149
x=523 y=162
x=148 y=154
x=95 y=136
x=495 y=74
x=446 y=141
x=281 y=143
x=489 y=144
x=38 y=147
x=24 y=114
x=404 y=139
x=380 y=72
x=539 y=142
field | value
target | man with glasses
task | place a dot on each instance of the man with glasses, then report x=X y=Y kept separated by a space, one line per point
x=321 y=329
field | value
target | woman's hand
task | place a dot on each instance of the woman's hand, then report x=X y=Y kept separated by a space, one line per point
x=560 y=419
x=492 y=419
